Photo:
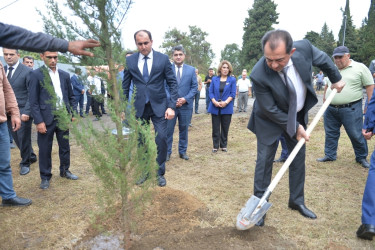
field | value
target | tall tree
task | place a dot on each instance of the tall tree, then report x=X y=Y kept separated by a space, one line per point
x=366 y=51
x=327 y=40
x=261 y=18
x=198 y=51
x=348 y=34
x=232 y=54
x=117 y=162
x=313 y=37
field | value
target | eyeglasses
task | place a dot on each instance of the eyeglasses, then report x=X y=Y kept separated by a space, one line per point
x=51 y=57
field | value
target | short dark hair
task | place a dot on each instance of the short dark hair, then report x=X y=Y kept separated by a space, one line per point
x=129 y=52
x=274 y=37
x=77 y=70
x=146 y=31
x=28 y=57
x=210 y=69
x=178 y=48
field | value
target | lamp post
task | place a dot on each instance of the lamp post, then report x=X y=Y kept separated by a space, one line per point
x=343 y=37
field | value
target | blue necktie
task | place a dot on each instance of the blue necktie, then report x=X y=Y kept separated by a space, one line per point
x=178 y=75
x=145 y=77
x=292 y=111
x=145 y=70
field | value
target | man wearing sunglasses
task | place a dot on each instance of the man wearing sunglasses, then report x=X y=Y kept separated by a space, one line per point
x=50 y=93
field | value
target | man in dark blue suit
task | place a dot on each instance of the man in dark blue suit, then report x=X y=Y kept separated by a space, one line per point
x=51 y=90
x=282 y=84
x=148 y=69
x=17 y=74
x=367 y=229
x=78 y=91
x=187 y=87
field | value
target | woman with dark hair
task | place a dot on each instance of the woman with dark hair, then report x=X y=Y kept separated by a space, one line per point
x=222 y=93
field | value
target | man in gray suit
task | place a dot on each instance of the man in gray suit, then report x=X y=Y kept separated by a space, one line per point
x=148 y=70
x=17 y=74
x=187 y=87
x=282 y=73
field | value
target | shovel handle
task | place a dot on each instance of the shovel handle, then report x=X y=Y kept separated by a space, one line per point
x=300 y=143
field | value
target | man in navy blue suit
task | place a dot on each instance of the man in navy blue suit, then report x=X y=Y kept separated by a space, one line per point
x=48 y=85
x=367 y=229
x=148 y=70
x=78 y=91
x=187 y=87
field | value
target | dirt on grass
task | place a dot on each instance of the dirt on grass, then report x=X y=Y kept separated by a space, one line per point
x=198 y=207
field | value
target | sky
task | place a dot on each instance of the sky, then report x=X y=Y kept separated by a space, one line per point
x=222 y=20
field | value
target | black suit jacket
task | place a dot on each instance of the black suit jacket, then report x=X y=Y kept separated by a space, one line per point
x=41 y=106
x=19 y=83
x=161 y=71
x=270 y=111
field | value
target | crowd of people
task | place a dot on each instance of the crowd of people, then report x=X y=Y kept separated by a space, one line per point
x=166 y=92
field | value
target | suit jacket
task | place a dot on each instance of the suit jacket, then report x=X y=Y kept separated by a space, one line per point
x=161 y=71
x=229 y=91
x=41 y=106
x=14 y=37
x=187 y=88
x=77 y=85
x=270 y=111
x=19 y=83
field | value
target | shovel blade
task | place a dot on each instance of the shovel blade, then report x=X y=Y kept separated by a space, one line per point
x=251 y=213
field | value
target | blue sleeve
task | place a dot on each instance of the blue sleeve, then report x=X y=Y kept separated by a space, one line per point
x=369 y=122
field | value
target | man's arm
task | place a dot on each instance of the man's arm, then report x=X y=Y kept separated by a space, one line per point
x=15 y=37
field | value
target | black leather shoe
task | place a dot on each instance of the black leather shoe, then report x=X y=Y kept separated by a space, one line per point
x=366 y=231
x=197 y=113
x=44 y=184
x=280 y=160
x=142 y=179
x=324 y=159
x=364 y=163
x=168 y=157
x=33 y=160
x=162 y=181
x=184 y=156
x=260 y=223
x=302 y=209
x=67 y=174
x=24 y=170
x=16 y=202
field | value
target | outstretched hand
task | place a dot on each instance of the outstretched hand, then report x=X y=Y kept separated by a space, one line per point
x=78 y=47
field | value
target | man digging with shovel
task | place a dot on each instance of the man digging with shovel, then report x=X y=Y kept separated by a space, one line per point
x=282 y=84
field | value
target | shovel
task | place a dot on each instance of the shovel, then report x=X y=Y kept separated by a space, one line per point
x=256 y=208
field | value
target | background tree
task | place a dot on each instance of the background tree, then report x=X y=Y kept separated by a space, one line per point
x=366 y=50
x=351 y=36
x=327 y=40
x=261 y=18
x=118 y=162
x=199 y=53
x=232 y=54
x=313 y=37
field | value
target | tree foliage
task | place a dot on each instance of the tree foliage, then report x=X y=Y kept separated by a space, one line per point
x=350 y=39
x=366 y=50
x=261 y=18
x=118 y=162
x=232 y=54
x=199 y=53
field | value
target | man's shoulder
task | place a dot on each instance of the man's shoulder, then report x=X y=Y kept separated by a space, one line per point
x=24 y=68
x=189 y=67
x=64 y=73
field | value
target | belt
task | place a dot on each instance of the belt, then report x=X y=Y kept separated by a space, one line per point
x=244 y=92
x=348 y=105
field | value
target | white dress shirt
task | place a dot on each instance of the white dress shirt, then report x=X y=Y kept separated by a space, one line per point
x=141 y=62
x=55 y=77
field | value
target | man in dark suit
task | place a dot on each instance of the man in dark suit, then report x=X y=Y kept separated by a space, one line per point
x=17 y=74
x=78 y=90
x=148 y=69
x=282 y=84
x=187 y=87
x=51 y=90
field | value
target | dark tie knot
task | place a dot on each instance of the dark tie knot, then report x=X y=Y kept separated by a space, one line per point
x=146 y=57
x=11 y=68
